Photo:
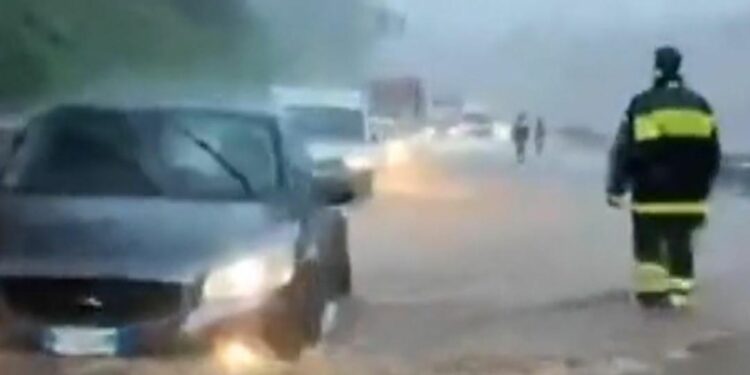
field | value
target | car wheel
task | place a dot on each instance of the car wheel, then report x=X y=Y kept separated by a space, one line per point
x=366 y=185
x=342 y=260
x=312 y=303
x=299 y=326
x=337 y=270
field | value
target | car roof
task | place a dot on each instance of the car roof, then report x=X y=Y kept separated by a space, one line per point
x=264 y=117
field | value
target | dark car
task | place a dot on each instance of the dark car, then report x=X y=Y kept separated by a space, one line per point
x=128 y=232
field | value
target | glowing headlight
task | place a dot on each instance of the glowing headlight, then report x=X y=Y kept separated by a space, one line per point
x=429 y=132
x=251 y=277
x=397 y=152
x=502 y=132
x=455 y=131
x=358 y=162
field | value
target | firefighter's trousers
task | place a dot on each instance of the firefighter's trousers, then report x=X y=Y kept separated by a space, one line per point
x=664 y=253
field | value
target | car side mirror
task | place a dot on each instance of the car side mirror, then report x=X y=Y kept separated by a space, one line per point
x=331 y=192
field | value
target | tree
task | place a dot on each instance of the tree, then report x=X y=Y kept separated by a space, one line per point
x=144 y=50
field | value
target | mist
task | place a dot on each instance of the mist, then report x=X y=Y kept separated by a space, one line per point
x=575 y=62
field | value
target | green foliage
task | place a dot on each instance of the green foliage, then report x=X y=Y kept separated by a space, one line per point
x=62 y=50
x=175 y=49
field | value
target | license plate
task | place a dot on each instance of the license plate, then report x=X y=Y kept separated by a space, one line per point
x=74 y=341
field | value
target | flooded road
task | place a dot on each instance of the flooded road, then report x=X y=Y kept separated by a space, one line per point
x=466 y=263
x=472 y=263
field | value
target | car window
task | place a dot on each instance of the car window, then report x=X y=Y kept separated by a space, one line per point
x=193 y=170
x=143 y=154
x=81 y=153
x=477 y=118
x=326 y=123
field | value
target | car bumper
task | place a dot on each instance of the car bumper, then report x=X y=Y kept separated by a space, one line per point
x=183 y=332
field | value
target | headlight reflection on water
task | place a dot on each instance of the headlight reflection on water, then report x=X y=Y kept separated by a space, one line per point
x=237 y=357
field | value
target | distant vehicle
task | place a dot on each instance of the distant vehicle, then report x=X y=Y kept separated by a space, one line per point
x=735 y=171
x=383 y=128
x=478 y=124
x=445 y=113
x=337 y=133
x=402 y=99
x=127 y=232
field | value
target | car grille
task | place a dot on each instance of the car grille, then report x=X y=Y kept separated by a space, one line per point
x=92 y=302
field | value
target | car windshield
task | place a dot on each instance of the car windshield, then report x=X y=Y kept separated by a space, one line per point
x=477 y=118
x=171 y=154
x=327 y=123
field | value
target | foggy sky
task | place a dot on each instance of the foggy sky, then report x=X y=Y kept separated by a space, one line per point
x=575 y=61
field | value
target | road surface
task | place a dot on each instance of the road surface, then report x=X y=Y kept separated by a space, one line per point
x=482 y=265
x=466 y=263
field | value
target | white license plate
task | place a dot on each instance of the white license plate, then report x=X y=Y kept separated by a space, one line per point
x=74 y=341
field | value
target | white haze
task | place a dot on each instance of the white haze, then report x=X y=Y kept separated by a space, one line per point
x=575 y=61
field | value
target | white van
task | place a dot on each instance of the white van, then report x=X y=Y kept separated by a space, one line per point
x=335 y=129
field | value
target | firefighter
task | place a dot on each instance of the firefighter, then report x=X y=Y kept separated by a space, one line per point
x=521 y=132
x=540 y=133
x=666 y=155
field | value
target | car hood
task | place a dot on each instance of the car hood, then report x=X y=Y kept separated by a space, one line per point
x=144 y=239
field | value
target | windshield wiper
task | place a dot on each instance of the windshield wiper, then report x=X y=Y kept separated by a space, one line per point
x=231 y=170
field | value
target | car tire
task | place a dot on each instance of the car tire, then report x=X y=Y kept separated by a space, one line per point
x=312 y=303
x=299 y=326
x=335 y=246
x=365 y=185
x=342 y=259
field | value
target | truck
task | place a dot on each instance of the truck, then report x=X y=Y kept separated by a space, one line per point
x=398 y=105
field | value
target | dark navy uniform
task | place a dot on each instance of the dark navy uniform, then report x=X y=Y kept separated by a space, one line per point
x=521 y=133
x=666 y=155
x=540 y=133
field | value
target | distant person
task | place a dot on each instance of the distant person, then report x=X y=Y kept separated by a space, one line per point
x=666 y=155
x=540 y=133
x=521 y=130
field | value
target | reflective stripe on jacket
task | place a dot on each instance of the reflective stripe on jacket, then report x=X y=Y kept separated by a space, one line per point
x=666 y=152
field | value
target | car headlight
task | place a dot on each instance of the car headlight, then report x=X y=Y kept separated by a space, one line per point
x=455 y=131
x=502 y=132
x=255 y=276
x=359 y=162
x=397 y=152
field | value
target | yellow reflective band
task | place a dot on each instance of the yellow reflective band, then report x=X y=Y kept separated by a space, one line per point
x=646 y=129
x=677 y=208
x=682 y=285
x=677 y=123
x=651 y=278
